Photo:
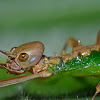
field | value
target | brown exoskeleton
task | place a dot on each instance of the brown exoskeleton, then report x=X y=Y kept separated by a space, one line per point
x=26 y=57
x=29 y=57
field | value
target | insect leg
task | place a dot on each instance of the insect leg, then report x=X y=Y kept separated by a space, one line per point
x=98 y=38
x=97 y=91
x=71 y=42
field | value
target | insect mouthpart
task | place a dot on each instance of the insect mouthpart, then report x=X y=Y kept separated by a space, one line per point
x=13 y=67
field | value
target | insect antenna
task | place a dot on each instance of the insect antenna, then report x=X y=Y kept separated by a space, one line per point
x=15 y=80
x=7 y=53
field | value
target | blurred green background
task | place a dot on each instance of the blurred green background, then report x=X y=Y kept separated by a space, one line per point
x=48 y=21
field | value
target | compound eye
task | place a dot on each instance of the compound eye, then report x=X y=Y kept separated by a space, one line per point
x=23 y=57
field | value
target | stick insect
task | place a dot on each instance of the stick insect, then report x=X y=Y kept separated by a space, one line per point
x=29 y=57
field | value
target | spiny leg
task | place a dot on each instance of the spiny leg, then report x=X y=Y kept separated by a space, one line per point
x=98 y=38
x=97 y=91
x=71 y=42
